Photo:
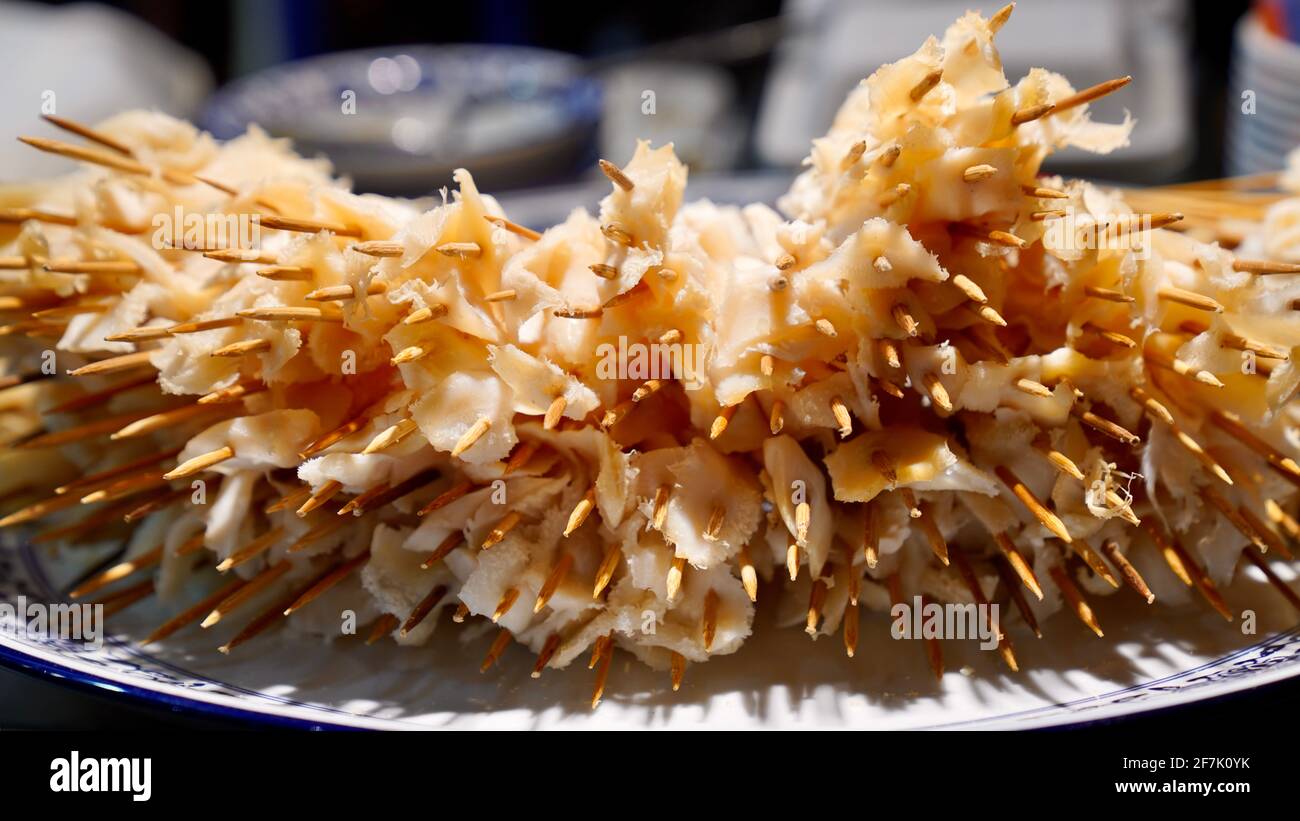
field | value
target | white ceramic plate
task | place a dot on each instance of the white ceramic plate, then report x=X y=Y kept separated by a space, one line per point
x=1152 y=656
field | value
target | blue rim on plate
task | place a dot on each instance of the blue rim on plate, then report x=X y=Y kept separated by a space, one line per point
x=99 y=685
x=15 y=659
x=1262 y=663
x=89 y=682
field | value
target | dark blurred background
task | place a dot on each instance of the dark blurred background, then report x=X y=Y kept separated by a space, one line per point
x=740 y=87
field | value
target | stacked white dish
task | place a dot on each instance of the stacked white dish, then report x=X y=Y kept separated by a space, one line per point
x=1263 y=106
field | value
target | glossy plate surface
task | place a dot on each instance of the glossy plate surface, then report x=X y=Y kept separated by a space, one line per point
x=1151 y=658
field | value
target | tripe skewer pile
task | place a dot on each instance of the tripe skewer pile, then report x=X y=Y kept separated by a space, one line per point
x=934 y=373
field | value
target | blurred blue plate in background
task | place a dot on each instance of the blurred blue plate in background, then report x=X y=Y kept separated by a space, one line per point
x=399 y=120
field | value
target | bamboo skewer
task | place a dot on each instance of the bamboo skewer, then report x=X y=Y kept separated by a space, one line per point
x=1016 y=562
x=253 y=549
x=1202 y=582
x=156 y=503
x=107 y=159
x=501 y=529
x=326 y=582
x=115 y=364
x=341 y=293
x=285 y=313
x=423 y=608
x=1266 y=533
x=494 y=652
x=1232 y=425
x=81 y=432
x=968 y=577
x=1075 y=599
x=1131 y=576
x=238 y=255
x=260 y=623
x=1046 y=517
x=117 y=602
x=200 y=463
x=553 y=581
x=602 y=672
x=452 y=541
x=928 y=82
x=245 y=592
x=1007 y=575
x=605 y=573
x=447 y=497
x=548 y=652
x=307 y=226
x=87 y=132
x=106 y=477
x=1171 y=556
x=932 y=535
x=193 y=614
x=117 y=572
x=391 y=494
x=471 y=436
x=39 y=215
x=514 y=228
x=379 y=248
x=616 y=175
x=383 y=626
x=1107 y=294
x=1216 y=500
x=1091 y=93
x=1272 y=578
